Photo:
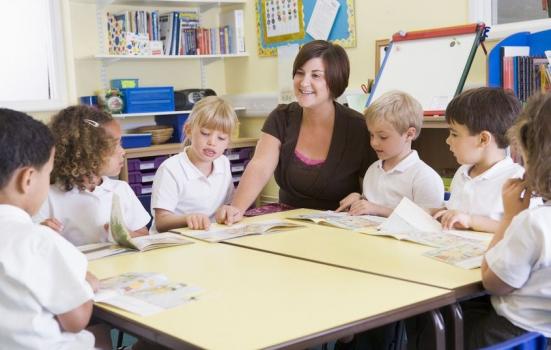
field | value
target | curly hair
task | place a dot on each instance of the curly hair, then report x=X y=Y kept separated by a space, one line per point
x=81 y=144
x=532 y=132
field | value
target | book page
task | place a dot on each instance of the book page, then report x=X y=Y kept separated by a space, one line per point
x=159 y=240
x=116 y=225
x=128 y=282
x=466 y=256
x=217 y=232
x=342 y=220
x=95 y=251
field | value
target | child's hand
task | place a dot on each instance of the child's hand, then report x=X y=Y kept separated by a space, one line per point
x=93 y=281
x=54 y=224
x=362 y=207
x=197 y=221
x=453 y=219
x=513 y=203
x=347 y=201
x=228 y=215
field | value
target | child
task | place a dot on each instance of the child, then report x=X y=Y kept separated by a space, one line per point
x=517 y=266
x=88 y=151
x=45 y=291
x=394 y=120
x=189 y=187
x=478 y=120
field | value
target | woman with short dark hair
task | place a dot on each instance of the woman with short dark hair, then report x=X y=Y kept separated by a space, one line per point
x=316 y=148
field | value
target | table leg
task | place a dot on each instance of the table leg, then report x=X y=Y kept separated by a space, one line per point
x=453 y=318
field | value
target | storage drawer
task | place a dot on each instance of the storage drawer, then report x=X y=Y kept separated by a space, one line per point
x=148 y=99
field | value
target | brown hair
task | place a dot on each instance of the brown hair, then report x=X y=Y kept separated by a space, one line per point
x=335 y=61
x=485 y=109
x=81 y=144
x=212 y=112
x=398 y=108
x=532 y=132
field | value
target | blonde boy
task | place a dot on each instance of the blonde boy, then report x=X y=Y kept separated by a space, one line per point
x=45 y=296
x=478 y=120
x=394 y=120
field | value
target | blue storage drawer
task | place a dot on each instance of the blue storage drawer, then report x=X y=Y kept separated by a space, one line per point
x=148 y=99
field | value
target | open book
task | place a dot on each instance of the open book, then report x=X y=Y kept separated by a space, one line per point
x=144 y=293
x=341 y=220
x=125 y=242
x=410 y=222
x=217 y=233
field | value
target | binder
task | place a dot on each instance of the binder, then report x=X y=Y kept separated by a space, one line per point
x=431 y=65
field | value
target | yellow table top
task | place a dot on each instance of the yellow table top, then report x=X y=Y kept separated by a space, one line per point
x=376 y=254
x=257 y=300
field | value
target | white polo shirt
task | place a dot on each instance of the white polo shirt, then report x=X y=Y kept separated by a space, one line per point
x=411 y=178
x=522 y=259
x=41 y=275
x=181 y=188
x=84 y=213
x=481 y=195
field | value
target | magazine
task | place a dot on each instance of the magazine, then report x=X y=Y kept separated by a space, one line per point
x=144 y=293
x=410 y=222
x=341 y=220
x=124 y=242
x=217 y=232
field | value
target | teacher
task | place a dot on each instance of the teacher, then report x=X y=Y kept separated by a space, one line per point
x=316 y=148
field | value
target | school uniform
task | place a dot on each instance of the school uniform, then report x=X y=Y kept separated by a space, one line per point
x=181 y=188
x=41 y=275
x=481 y=195
x=84 y=213
x=411 y=178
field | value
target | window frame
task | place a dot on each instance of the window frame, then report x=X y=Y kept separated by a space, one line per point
x=56 y=62
x=481 y=11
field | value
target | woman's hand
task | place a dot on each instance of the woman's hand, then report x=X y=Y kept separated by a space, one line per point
x=347 y=201
x=228 y=215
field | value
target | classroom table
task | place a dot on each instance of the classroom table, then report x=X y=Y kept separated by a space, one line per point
x=385 y=256
x=255 y=300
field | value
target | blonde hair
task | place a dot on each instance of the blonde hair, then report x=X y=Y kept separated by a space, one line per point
x=212 y=112
x=399 y=109
x=532 y=132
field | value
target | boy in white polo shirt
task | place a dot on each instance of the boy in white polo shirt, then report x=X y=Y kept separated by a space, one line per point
x=189 y=187
x=45 y=296
x=394 y=120
x=478 y=120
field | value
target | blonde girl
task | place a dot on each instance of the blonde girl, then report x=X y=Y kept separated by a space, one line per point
x=189 y=187
x=88 y=153
x=517 y=267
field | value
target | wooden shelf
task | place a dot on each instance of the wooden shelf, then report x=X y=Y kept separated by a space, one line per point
x=147 y=114
x=116 y=58
x=435 y=122
x=163 y=3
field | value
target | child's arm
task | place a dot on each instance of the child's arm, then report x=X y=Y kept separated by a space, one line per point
x=140 y=232
x=166 y=220
x=347 y=201
x=457 y=219
x=77 y=319
x=365 y=207
x=513 y=204
x=54 y=224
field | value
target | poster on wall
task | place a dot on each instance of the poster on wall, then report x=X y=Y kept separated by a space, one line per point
x=283 y=22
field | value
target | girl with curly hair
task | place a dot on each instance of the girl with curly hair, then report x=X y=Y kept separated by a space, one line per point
x=88 y=152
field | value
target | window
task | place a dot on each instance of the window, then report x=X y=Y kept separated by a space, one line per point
x=32 y=65
x=507 y=17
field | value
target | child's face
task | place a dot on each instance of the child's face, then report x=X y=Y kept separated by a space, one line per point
x=309 y=83
x=387 y=142
x=207 y=144
x=39 y=188
x=464 y=146
x=113 y=164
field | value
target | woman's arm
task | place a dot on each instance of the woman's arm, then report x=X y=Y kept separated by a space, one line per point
x=255 y=177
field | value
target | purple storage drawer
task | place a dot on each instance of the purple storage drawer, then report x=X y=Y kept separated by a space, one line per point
x=133 y=164
x=134 y=177
x=137 y=188
x=159 y=160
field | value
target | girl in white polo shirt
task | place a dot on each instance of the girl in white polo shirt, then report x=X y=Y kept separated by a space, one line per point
x=189 y=187
x=88 y=151
x=517 y=266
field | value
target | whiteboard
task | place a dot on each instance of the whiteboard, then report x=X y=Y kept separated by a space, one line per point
x=433 y=70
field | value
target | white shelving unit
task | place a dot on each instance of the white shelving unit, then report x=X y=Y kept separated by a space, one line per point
x=150 y=114
x=202 y=5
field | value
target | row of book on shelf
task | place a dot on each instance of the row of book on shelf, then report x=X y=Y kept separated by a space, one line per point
x=174 y=33
x=525 y=74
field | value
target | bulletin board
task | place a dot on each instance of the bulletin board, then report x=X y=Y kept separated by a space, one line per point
x=273 y=31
